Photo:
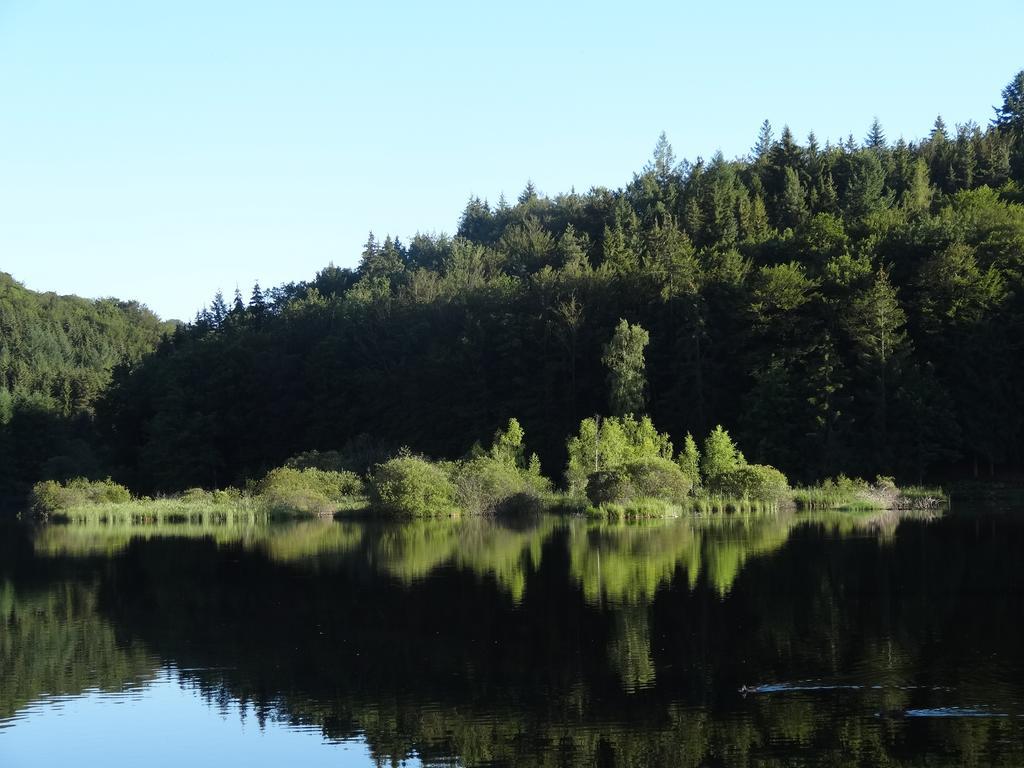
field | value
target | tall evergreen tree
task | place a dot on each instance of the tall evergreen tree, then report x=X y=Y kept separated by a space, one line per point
x=876 y=136
x=1010 y=114
x=877 y=326
x=765 y=141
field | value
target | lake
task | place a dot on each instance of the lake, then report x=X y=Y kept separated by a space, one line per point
x=824 y=639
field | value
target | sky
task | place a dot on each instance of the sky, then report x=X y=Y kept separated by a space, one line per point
x=160 y=151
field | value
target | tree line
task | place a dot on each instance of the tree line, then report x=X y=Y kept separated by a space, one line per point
x=853 y=307
x=57 y=355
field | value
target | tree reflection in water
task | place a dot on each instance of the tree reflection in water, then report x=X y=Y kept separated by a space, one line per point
x=553 y=641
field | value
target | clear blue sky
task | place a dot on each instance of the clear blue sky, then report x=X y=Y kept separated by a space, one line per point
x=161 y=150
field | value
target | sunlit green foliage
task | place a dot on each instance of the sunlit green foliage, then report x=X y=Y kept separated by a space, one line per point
x=412 y=485
x=500 y=479
x=316 y=491
x=608 y=443
x=653 y=477
x=624 y=358
x=689 y=461
x=49 y=496
x=754 y=481
x=718 y=459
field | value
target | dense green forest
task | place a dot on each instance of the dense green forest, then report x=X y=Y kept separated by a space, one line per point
x=57 y=354
x=853 y=307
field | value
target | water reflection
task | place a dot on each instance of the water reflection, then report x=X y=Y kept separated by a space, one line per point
x=829 y=639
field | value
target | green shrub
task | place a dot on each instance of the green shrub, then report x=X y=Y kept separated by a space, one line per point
x=650 y=478
x=487 y=484
x=51 y=496
x=658 y=478
x=411 y=485
x=307 y=490
x=753 y=481
x=609 y=486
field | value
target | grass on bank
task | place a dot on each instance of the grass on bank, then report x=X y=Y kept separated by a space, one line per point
x=854 y=494
x=284 y=492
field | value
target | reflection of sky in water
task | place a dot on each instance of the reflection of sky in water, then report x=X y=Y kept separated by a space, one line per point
x=163 y=724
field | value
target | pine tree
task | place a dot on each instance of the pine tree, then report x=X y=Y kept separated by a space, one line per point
x=257 y=305
x=826 y=198
x=663 y=161
x=865 y=192
x=529 y=193
x=792 y=207
x=752 y=217
x=1009 y=122
x=812 y=145
x=569 y=315
x=876 y=136
x=218 y=310
x=965 y=157
x=620 y=252
x=918 y=196
x=476 y=222
x=765 y=141
x=787 y=152
x=1010 y=116
x=877 y=326
x=825 y=398
x=670 y=260
x=257 y=302
x=573 y=254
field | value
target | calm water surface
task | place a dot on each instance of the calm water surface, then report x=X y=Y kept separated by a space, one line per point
x=831 y=639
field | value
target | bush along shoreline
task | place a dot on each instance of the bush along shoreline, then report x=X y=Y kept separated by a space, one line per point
x=618 y=467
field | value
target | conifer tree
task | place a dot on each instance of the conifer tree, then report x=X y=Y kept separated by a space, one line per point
x=792 y=207
x=877 y=326
x=218 y=310
x=876 y=136
x=1010 y=115
x=765 y=141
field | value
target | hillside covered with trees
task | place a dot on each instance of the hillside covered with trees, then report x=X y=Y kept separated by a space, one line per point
x=57 y=354
x=852 y=307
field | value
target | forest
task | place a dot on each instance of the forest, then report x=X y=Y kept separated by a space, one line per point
x=57 y=357
x=851 y=307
